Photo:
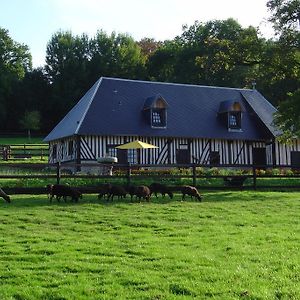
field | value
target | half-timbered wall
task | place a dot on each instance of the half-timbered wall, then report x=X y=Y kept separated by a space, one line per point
x=283 y=152
x=230 y=151
x=65 y=150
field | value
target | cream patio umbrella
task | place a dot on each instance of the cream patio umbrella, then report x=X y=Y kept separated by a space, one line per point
x=136 y=145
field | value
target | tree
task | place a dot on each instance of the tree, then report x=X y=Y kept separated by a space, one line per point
x=15 y=61
x=66 y=68
x=115 y=55
x=286 y=21
x=30 y=121
x=215 y=53
x=287 y=119
x=149 y=46
x=285 y=14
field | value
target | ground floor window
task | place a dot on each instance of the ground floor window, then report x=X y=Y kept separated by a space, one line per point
x=111 y=150
x=132 y=156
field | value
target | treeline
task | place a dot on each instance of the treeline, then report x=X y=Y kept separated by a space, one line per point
x=218 y=53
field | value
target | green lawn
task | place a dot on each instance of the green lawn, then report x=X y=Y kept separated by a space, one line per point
x=233 y=245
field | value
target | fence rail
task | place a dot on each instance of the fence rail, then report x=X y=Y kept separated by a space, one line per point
x=248 y=178
x=24 y=151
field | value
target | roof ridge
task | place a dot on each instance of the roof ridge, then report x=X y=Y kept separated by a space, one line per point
x=172 y=83
x=88 y=106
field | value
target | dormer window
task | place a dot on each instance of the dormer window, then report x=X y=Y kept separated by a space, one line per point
x=156 y=119
x=155 y=109
x=230 y=113
x=234 y=120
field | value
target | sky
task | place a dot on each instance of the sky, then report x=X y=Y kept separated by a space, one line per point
x=33 y=22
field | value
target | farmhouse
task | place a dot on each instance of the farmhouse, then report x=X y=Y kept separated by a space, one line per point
x=188 y=123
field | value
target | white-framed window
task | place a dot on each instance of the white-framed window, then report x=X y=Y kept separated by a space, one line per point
x=111 y=150
x=234 y=120
x=156 y=118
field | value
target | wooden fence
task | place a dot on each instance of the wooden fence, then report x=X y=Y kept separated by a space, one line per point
x=242 y=179
x=24 y=151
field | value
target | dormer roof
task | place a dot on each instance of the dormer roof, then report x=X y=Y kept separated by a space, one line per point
x=156 y=101
x=230 y=106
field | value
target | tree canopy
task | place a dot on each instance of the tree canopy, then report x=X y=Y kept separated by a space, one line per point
x=286 y=21
x=218 y=53
x=15 y=61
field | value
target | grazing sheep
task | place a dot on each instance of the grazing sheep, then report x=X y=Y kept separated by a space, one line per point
x=142 y=191
x=131 y=190
x=191 y=191
x=160 y=188
x=60 y=190
x=117 y=190
x=4 y=196
x=104 y=190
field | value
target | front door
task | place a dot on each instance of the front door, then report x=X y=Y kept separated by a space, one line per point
x=259 y=157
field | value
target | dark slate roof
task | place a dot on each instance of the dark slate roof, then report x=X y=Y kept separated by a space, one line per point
x=115 y=107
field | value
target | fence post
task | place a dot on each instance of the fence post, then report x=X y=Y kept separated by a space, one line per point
x=194 y=174
x=128 y=174
x=58 y=172
x=254 y=177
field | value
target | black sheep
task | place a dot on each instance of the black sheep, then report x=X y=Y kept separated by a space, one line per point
x=60 y=190
x=117 y=190
x=160 y=188
x=131 y=190
x=104 y=190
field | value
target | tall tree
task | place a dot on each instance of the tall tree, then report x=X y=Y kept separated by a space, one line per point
x=115 y=55
x=286 y=21
x=66 y=67
x=15 y=60
x=214 y=53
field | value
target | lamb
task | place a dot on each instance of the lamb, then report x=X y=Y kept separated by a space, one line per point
x=4 y=196
x=160 y=188
x=117 y=190
x=60 y=190
x=191 y=191
x=142 y=191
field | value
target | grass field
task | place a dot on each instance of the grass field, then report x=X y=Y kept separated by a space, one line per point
x=233 y=245
x=20 y=140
